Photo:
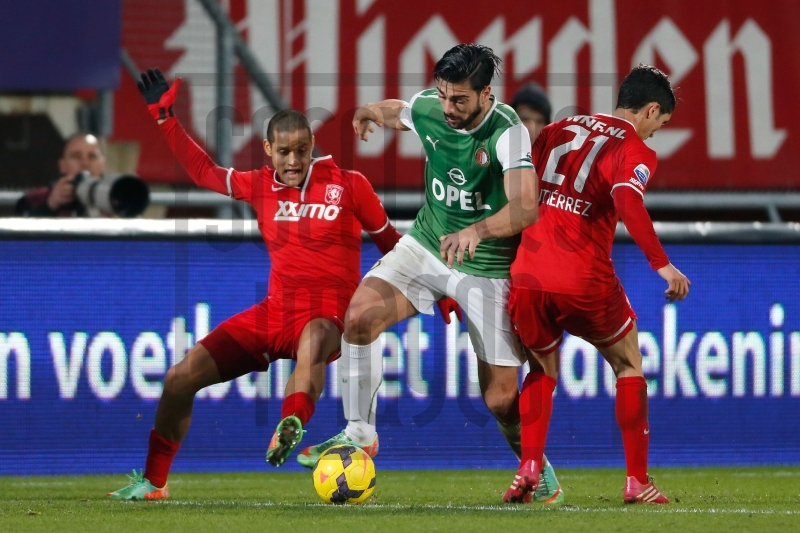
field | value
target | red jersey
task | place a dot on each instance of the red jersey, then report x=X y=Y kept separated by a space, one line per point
x=593 y=170
x=312 y=231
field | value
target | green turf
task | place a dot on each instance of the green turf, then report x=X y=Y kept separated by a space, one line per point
x=731 y=499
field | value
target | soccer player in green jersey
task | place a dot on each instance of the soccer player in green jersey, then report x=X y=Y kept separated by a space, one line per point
x=478 y=175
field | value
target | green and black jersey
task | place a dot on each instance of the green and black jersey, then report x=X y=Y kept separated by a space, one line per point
x=464 y=177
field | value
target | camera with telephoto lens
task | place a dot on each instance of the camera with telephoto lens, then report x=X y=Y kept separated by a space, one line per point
x=123 y=195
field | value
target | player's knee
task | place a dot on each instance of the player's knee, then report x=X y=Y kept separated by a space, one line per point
x=501 y=402
x=176 y=382
x=363 y=323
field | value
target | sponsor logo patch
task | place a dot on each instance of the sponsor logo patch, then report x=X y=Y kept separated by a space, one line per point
x=456 y=176
x=482 y=157
x=333 y=194
x=642 y=173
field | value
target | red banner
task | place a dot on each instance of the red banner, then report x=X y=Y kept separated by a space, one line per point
x=736 y=64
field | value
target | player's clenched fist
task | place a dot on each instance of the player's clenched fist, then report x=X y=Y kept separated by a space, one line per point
x=678 y=287
x=158 y=94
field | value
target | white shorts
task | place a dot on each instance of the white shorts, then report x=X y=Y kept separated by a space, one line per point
x=423 y=279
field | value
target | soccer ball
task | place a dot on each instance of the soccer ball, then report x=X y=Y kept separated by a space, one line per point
x=344 y=474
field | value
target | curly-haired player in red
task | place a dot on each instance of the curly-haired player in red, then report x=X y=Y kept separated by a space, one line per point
x=311 y=214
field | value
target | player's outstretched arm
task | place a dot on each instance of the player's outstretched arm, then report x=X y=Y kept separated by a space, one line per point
x=160 y=98
x=384 y=114
x=521 y=211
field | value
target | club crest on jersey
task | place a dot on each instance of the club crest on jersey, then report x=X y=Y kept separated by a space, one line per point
x=333 y=194
x=482 y=157
x=642 y=173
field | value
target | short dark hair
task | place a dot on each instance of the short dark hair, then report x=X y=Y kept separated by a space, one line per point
x=287 y=120
x=645 y=84
x=474 y=63
x=532 y=95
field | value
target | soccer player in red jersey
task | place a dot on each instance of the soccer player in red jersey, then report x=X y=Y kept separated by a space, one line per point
x=310 y=213
x=593 y=171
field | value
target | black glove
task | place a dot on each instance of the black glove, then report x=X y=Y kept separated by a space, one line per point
x=158 y=94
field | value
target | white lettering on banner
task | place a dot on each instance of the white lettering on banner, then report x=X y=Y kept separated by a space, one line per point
x=432 y=40
x=416 y=341
x=585 y=385
x=743 y=344
x=15 y=343
x=393 y=365
x=673 y=48
x=458 y=344
x=756 y=50
x=707 y=364
x=776 y=347
x=795 y=364
x=562 y=59
x=676 y=367
x=102 y=343
x=712 y=358
x=202 y=326
x=68 y=370
x=148 y=357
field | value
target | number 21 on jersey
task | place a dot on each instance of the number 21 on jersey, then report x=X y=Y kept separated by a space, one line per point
x=581 y=135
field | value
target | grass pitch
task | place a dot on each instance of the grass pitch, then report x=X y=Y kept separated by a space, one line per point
x=704 y=499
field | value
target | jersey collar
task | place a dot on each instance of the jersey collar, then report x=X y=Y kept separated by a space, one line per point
x=485 y=118
x=618 y=118
x=305 y=181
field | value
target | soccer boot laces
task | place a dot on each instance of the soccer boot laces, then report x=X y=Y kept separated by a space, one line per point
x=139 y=489
x=287 y=436
x=308 y=456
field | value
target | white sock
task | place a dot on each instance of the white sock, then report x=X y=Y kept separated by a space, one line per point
x=361 y=373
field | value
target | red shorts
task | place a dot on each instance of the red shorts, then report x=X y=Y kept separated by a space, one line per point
x=540 y=318
x=251 y=340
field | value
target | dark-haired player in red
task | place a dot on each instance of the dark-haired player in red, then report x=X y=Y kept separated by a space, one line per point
x=310 y=213
x=593 y=171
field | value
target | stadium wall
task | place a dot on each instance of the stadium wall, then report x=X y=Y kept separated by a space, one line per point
x=90 y=323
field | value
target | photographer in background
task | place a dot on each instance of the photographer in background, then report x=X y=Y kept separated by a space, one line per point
x=81 y=153
x=533 y=107
x=84 y=189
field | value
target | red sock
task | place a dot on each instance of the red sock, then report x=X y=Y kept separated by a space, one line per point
x=535 y=408
x=632 y=419
x=299 y=404
x=159 y=459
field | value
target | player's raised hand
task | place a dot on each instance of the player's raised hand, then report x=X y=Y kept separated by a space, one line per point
x=678 y=284
x=158 y=94
x=453 y=245
x=446 y=306
x=362 y=122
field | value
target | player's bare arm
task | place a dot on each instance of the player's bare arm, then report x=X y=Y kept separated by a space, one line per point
x=384 y=114
x=678 y=284
x=521 y=211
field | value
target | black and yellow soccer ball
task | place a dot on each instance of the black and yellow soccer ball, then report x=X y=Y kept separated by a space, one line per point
x=344 y=474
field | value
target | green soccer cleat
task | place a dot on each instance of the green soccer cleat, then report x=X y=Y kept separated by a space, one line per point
x=287 y=436
x=548 y=490
x=308 y=457
x=139 y=489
